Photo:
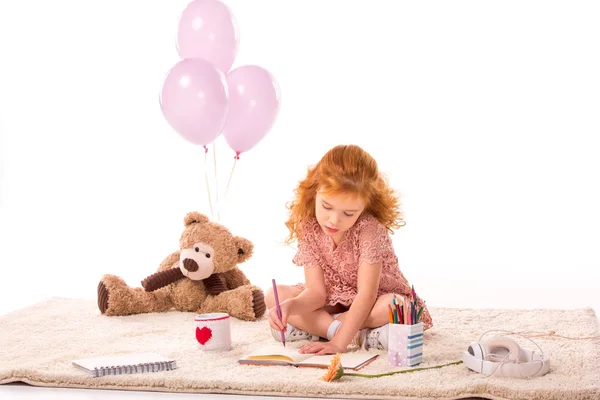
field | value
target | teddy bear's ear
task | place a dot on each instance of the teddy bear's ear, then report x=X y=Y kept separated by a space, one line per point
x=195 y=217
x=245 y=248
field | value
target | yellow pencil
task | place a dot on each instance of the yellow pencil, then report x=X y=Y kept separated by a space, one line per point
x=391 y=315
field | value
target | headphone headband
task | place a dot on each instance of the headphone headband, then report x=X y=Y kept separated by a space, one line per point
x=502 y=356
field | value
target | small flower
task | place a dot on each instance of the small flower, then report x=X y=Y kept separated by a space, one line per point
x=335 y=370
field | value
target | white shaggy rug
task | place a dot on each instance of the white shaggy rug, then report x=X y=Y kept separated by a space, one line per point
x=38 y=343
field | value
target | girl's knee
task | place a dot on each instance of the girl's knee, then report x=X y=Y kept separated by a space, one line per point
x=284 y=292
x=379 y=313
x=269 y=298
x=386 y=299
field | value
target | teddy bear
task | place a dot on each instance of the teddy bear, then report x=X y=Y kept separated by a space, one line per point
x=202 y=277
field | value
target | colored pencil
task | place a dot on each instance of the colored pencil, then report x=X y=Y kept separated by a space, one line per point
x=419 y=314
x=278 y=310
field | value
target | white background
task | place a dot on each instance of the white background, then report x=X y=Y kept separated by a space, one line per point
x=483 y=115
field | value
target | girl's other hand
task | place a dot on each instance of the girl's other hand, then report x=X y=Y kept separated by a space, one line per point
x=320 y=348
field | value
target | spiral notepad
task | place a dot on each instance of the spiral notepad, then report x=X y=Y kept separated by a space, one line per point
x=125 y=364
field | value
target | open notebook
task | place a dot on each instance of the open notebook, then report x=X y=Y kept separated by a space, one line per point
x=125 y=364
x=279 y=355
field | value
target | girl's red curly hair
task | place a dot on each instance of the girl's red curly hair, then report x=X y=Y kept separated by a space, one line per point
x=345 y=170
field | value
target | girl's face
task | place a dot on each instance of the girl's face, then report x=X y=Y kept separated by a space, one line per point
x=337 y=213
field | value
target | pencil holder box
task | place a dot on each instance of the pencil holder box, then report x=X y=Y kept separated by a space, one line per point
x=405 y=344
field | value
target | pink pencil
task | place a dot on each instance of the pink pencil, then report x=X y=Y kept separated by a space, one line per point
x=278 y=310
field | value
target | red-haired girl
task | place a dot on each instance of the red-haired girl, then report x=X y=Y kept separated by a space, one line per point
x=342 y=216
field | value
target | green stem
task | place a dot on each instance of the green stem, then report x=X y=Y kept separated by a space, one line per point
x=401 y=372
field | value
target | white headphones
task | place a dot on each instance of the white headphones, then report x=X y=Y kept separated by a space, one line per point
x=502 y=356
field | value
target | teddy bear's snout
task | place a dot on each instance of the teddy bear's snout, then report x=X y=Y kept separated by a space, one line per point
x=190 y=265
x=197 y=262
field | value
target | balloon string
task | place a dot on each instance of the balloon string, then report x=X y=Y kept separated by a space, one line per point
x=216 y=186
x=231 y=174
x=206 y=177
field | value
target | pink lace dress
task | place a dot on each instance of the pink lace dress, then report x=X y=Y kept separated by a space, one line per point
x=366 y=242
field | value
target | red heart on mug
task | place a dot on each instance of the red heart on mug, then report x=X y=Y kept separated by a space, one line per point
x=203 y=335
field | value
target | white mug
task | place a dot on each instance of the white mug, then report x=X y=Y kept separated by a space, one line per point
x=213 y=331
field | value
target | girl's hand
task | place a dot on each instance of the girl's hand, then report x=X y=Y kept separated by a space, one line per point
x=320 y=348
x=274 y=321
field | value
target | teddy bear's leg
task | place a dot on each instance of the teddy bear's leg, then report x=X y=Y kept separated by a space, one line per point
x=245 y=302
x=235 y=278
x=116 y=298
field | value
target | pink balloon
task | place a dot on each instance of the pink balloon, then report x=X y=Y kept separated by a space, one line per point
x=195 y=100
x=207 y=29
x=253 y=107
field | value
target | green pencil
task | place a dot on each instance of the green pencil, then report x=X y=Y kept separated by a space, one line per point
x=419 y=313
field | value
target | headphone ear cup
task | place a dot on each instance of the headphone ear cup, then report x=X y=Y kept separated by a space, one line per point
x=501 y=348
x=476 y=350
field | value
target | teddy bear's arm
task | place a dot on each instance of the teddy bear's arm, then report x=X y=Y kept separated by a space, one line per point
x=235 y=278
x=161 y=279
